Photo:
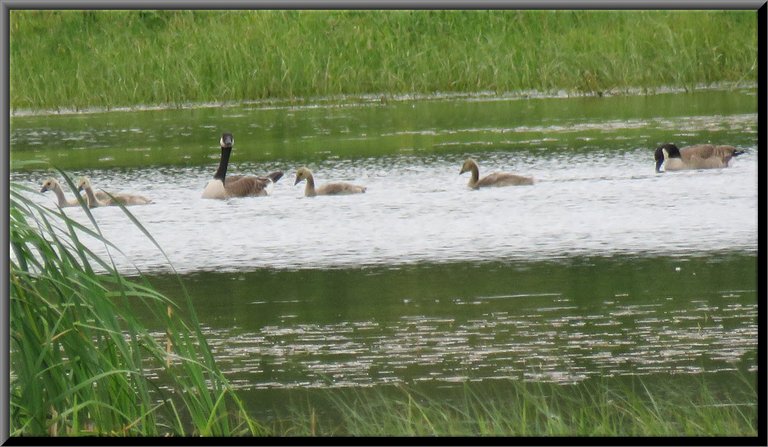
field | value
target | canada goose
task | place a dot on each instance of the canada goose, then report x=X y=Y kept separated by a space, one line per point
x=95 y=201
x=336 y=188
x=223 y=187
x=51 y=184
x=492 y=179
x=699 y=156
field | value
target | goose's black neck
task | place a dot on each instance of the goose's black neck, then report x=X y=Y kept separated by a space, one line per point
x=223 y=163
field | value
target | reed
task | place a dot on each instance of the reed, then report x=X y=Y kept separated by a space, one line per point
x=81 y=59
x=604 y=407
x=82 y=363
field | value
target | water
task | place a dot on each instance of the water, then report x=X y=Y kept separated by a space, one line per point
x=602 y=268
x=561 y=321
x=418 y=209
x=596 y=191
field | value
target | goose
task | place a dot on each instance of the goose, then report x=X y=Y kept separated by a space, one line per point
x=492 y=179
x=699 y=156
x=95 y=200
x=336 y=188
x=51 y=184
x=223 y=187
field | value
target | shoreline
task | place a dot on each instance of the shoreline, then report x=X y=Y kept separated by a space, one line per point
x=382 y=98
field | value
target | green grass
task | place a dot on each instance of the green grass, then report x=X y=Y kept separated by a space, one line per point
x=80 y=357
x=79 y=59
x=682 y=406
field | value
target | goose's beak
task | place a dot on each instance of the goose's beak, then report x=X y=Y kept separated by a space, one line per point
x=43 y=189
x=297 y=181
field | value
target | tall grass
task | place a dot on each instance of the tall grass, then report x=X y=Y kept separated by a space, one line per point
x=682 y=407
x=77 y=59
x=82 y=363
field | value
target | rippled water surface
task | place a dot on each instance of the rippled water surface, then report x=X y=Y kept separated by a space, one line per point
x=596 y=191
x=601 y=268
x=558 y=322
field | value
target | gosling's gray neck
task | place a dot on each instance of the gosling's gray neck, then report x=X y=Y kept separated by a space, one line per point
x=309 y=190
x=475 y=175
x=92 y=202
x=60 y=195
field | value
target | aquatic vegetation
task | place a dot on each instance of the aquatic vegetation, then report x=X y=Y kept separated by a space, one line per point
x=677 y=406
x=82 y=362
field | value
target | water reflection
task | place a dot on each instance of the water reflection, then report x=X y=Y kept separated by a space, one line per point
x=565 y=322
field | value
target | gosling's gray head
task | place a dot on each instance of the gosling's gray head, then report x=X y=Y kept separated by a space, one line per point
x=83 y=182
x=467 y=166
x=302 y=173
x=49 y=184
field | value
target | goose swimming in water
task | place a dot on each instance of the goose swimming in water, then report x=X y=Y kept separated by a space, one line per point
x=51 y=184
x=699 y=156
x=96 y=200
x=224 y=187
x=492 y=179
x=328 y=189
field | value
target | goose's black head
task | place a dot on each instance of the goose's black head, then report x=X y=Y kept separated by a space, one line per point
x=275 y=176
x=227 y=140
x=668 y=150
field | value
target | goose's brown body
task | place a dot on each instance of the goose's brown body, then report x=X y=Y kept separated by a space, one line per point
x=699 y=156
x=492 y=179
x=96 y=200
x=223 y=186
x=328 y=189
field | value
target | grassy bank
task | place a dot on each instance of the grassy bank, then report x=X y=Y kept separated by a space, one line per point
x=75 y=59
x=82 y=362
x=679 y=406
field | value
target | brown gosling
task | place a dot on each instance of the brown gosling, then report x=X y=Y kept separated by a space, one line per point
x=492 y=179
x=328 y=189
x=123 y=199
x=51 y=184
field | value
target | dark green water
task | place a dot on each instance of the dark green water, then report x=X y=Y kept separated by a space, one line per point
x=438 y=326
x=313 y=132
x=602 y=269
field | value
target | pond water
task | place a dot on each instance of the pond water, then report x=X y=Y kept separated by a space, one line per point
x=601 y=268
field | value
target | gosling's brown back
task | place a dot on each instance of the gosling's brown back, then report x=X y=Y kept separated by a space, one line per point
x=339 y=188
x=503 y=179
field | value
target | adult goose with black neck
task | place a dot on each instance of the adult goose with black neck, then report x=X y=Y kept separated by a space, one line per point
x=698 y=156
x=224 y=187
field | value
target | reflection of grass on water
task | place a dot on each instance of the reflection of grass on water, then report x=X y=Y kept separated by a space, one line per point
x=80 y=357
x=681 y=406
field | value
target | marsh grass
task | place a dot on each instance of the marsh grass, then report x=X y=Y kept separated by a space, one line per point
x=80 y=59
x=683 y=406
x=81 y=359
